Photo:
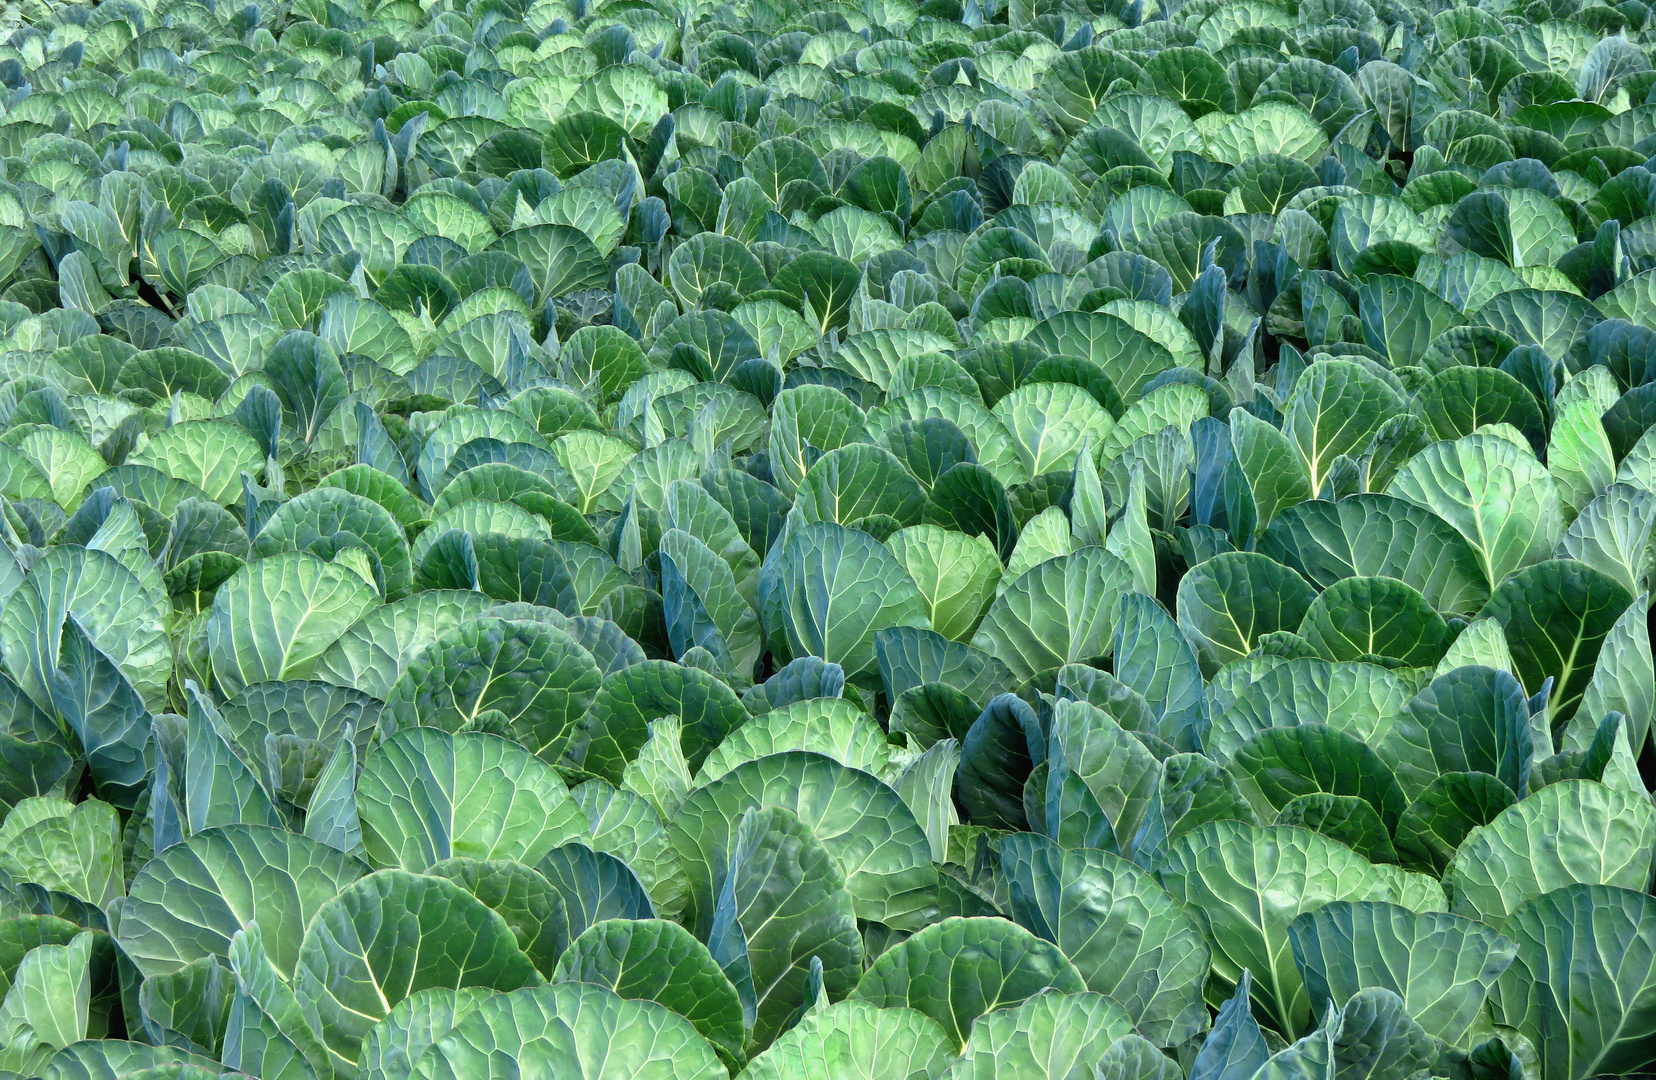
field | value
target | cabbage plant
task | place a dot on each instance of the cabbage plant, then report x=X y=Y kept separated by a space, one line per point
x=963 y=540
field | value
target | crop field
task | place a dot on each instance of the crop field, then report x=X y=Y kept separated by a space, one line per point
x=987 y=540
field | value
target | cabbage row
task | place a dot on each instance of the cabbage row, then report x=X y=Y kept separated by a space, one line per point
x=1062 y=540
